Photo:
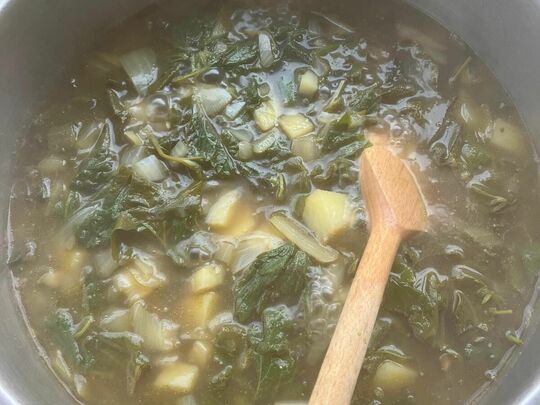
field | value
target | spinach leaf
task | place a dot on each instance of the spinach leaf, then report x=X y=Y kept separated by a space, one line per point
x=128 y=203
x=279 y=274
x=63 y=332
x=207 y=144
x=118 y=350
x=98 y=168
x=420 y=307
x=274 y=359
x=239 y=53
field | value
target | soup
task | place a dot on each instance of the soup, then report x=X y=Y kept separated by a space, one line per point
x=186 y=218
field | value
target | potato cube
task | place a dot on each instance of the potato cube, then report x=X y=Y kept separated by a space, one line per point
x=295 y=125
x=179 y=377
x=327 y=213
x=207 y=277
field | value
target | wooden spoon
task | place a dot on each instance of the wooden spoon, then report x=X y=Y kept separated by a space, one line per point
x=396 y=210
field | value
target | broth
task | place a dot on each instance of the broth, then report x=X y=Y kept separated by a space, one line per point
x=186 y=216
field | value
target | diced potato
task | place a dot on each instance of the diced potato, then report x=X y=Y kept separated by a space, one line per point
x=309 y=84
x=200 y=353
x=509 y=139
x=207 y=277
x=244 y=222
x=186 y=400
x=197 y=310
x=392 y=377
x=265 y=116
x=306 y=147
x=179 y=377
x=327 y=213
x=126 y=284
x=295 y=125
x=230 y=215
x=221 y=213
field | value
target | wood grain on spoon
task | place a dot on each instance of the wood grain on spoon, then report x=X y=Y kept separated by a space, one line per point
x=396 y=210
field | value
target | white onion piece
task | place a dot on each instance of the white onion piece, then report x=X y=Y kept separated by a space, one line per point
x=150 y=168
x=266 y=54
x=251 y=246
x=157 y=334
x=214 y=99
x=132 y=154
x=104 y=263
x=303 y=238
x=180 y=149
x=141 y=67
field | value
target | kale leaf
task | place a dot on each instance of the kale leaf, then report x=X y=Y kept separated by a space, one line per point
x=279 y=274
x=207 y=144
x=99 y=166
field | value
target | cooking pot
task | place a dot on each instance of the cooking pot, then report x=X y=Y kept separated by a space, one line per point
x=39 y=39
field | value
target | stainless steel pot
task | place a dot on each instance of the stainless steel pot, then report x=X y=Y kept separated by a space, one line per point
x=40 y=38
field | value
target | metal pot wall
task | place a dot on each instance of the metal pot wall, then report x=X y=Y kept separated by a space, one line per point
x=40 y=38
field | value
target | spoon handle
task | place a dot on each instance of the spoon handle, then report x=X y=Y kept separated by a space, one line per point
x=339 y=372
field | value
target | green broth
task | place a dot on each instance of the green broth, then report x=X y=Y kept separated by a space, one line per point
x=146 y=248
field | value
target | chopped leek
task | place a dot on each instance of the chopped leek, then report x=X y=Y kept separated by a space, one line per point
x=303 y=238
x=157 y=334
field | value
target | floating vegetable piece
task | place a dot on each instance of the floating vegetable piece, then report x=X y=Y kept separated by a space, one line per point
x=179 y=377
x=141 y=67
x=207 y=277
x=392 y=377
x=295 y=125
x=509 y=139
x=265 y=116
x=309 y=84
x=303 y=238
x=327 y=213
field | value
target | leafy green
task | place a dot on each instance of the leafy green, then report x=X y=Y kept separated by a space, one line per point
x=420 y=307
x=275 y=275
x=63 y=331
x=98 y=168
x=274 y=359
x=128 y=203
x=239 y=53
x=207 y=144
x=120 y=351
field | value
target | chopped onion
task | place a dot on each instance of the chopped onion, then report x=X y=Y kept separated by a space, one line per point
x=242 y=134
x=180 y=149
x=251 y=246
x=225 y=251
x=132 y=154
x=303 y=238
x=89 y=134
x=150 y=168
x=266 y=52
x=214 y=99
x=141 y=67
x=223 y=318
x=157 y=334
